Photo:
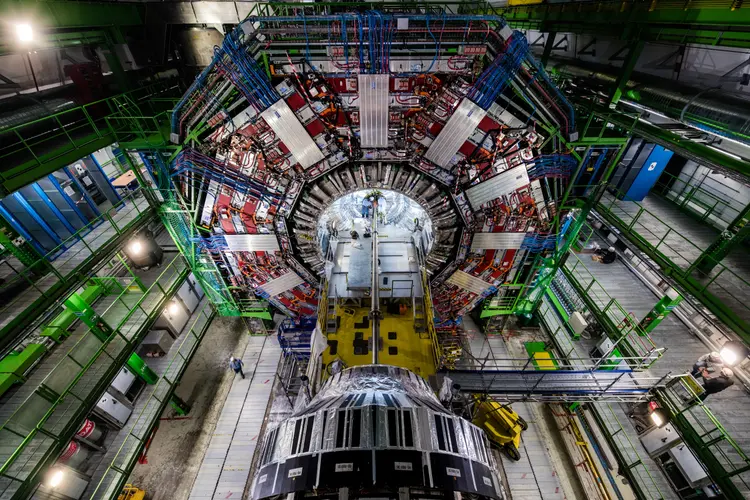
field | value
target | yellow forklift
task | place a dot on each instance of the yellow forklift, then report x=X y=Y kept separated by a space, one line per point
x=502 y=425
x=130 y=492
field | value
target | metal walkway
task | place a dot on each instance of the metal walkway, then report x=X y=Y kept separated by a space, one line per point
x=77 y=254
x=225 y=470
x=556 y=385
x=534 y=477
x=682 y=242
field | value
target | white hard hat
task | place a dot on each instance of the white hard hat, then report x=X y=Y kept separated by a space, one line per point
x=611 y=249
x=231 y=358
x=727 y=372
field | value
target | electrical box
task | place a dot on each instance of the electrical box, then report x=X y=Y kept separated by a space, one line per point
x=173 y=318
x=113 y=410
x=578 y=322
x=123 y=381
x=689 y=466
x=190 y=293
x=660 y=439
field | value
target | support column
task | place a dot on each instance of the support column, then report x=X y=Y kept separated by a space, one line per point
x=627 y=69
x=734 y=234
x=114 y=37
x=86 y=313
x=375 y=288
x=548 y=45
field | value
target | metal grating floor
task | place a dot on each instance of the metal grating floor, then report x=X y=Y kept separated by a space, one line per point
x=225 y=470
x=731 y=406
x=72 y=258
x=683 y=245
x=115 y=440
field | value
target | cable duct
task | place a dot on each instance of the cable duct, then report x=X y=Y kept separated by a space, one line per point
x=725 y=115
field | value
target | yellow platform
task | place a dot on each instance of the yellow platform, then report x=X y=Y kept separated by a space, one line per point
x=412 y=352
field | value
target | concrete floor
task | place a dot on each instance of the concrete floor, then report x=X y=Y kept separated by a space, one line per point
x=178 y=448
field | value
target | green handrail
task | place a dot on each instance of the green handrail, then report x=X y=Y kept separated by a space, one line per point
x=67 y=270
x=144 y=423
x=41 y=425
x=677 y=254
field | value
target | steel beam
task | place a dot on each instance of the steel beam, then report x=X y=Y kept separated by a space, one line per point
x=721 y=23
x=634 y=52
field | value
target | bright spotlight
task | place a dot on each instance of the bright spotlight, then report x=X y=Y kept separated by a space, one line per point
x=659 y=417
x=56 y=478
x=135 y=247
x=173 y=308
x=728 y=356
x=24 y=32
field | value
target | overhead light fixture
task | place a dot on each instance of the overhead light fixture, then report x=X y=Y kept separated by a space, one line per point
x=24 y=32
x=56 y=478
x=733 y=352
x=135 y=248
x=731 y=155
x=659 y=417
x=644 y=121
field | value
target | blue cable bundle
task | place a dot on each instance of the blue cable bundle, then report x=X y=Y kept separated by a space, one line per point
x=536 y=242
x=496 y=76
x=191 y=161
x=552 y=165
x=254 y=83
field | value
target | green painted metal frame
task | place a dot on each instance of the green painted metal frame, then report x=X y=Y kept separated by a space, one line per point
x=124 y=462
x=76 y=276
x=640 y=478
x=620 y=325
x=40 y=147
x=725 y=461
x=683 y=274
x=99 y=377
x=709 y=22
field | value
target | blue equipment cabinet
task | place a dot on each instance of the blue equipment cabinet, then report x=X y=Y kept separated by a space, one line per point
x=644 y=172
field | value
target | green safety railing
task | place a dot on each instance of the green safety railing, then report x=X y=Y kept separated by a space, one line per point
x=690 y=195
x=116 y=475
x=621 y=326
x=38 y=285
x=725 y=461
x=722 y=290
x=39 y=428
x=67 y=135
x=631 y=463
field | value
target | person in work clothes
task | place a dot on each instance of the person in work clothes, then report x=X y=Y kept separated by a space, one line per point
x=236 y=365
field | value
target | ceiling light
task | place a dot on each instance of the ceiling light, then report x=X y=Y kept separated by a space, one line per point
x=135 y=248
x=644 y=121
x=731 y=155
x=56 y=478
x=728 y=356
x=24 y=32
x=659 y=417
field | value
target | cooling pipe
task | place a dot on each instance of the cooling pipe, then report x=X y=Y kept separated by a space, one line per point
x=713 y=109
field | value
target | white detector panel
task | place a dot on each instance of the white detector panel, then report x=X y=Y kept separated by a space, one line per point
x=459 y=127
x=373 y=110
x=252 y=242
x=282 y=284
x=469 y=282
x=287 y=127
x=502 y=184
x=497 y=241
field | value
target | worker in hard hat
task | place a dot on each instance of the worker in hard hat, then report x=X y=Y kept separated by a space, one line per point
x=603 y=256
x=707 y=365
x=717 y=383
